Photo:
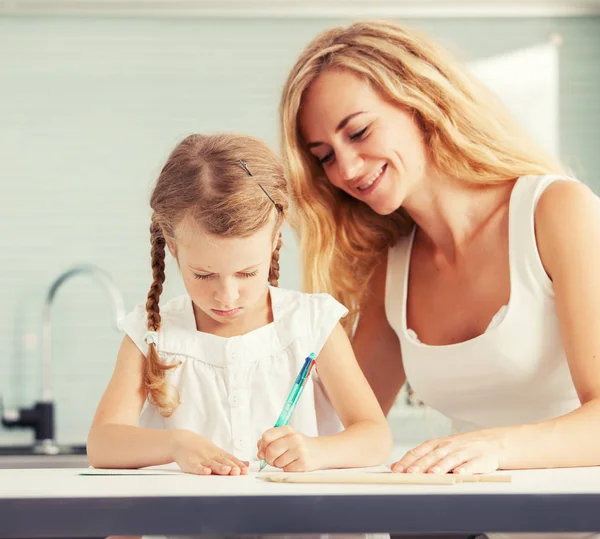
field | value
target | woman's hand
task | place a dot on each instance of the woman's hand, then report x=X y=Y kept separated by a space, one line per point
x=473 y=452
x=292 y=451
x=197 y=455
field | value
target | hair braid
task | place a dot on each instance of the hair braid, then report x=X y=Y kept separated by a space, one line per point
x=274 y=269
x=165 y=397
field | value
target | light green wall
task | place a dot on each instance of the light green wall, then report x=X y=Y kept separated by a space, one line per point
x=89 y=110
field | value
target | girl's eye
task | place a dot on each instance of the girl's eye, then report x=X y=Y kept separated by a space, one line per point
x=247 y=275
x=359 y=135
x=200 y=276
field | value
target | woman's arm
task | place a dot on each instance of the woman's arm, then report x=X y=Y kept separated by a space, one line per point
x=567 y=225
x=114 y=440
x=376 y=344
x=568 y=235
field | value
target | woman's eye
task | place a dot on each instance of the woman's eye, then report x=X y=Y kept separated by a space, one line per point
x=326 y=158
x=247 y=275
x=358 y=135
x=200 y=276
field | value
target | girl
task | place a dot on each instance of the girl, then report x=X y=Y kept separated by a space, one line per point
x=201 y=379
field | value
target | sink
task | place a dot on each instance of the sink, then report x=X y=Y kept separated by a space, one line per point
x=31 y=456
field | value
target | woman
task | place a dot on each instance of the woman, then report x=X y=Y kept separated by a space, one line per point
x=467 y=256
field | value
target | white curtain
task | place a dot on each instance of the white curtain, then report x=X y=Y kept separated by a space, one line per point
x=526 y=80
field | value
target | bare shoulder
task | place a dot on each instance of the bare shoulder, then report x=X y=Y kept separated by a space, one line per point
x=567 y=219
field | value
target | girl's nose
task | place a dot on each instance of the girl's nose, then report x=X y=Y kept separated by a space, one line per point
x=227 y=293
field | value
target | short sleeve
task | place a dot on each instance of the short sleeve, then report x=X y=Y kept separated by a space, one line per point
x=325 y=313
x=135 y=324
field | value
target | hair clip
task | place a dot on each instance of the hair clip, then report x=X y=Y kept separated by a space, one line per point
x=278 y=206
x=243 y=163
x=151 y=337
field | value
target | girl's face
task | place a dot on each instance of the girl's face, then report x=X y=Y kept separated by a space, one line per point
x=226 y=278
x=368 y=147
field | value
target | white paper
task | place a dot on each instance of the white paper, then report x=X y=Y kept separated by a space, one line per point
x=174 y=469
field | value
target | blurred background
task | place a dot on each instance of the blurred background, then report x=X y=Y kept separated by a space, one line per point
x=95 y=94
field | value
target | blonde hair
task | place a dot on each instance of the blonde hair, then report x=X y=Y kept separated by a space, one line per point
x=230 y=185
x=469 y=134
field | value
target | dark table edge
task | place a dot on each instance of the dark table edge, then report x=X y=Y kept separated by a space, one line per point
x=30 y=518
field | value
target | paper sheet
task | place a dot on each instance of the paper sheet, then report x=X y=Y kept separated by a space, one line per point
x=173 y=469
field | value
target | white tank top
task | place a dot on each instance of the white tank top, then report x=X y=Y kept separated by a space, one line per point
x=515 y=372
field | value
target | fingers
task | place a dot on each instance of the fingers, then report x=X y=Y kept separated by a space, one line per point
x=220 y=465
x=292 y=444
x=449 y=456
x=269 y=436
x=478 y=465
x=195 y=467
x=412 y=456
x=284 y=459
x=227 y=465
x=241 y=464
x=433 y=459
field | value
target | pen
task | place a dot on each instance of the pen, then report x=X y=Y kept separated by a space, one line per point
x=292 y=399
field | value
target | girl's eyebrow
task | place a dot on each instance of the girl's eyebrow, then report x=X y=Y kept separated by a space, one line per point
x=200 y=270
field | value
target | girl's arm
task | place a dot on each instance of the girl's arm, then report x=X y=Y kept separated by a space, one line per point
x=114 y=440
x=376 y=344
x=567 y=226
x=366 y=439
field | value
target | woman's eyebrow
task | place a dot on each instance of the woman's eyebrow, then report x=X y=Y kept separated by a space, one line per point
x=340 y=126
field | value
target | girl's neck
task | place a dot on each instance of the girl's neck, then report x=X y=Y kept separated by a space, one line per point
x=259 y=315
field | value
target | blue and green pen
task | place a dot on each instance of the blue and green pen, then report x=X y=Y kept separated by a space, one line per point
x=294 y=396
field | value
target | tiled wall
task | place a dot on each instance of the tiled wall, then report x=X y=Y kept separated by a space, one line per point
x=89 y=110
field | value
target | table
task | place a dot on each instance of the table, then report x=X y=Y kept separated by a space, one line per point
x=62 y=503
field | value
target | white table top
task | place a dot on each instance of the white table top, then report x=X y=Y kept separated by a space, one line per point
x=63 y=503
x=167 y=482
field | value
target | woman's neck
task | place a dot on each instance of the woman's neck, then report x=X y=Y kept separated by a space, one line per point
x=452 y=213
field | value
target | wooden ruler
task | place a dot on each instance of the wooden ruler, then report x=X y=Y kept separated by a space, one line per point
x=384 y=478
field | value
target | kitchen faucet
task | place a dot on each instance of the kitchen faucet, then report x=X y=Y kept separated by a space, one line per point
x=41 y=416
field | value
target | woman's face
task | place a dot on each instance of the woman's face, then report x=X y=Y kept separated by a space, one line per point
x=367 y=146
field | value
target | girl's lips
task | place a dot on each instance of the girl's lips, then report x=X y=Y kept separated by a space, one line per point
x=372 y=187
x=231 y=312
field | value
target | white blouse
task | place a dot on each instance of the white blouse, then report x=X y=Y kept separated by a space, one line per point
x=232 y=389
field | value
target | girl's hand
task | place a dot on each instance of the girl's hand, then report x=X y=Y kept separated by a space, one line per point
x=473 y=452
x=197 y=455
x=292 y=451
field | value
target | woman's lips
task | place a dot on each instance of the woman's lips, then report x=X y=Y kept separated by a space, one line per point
x=373 y=186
